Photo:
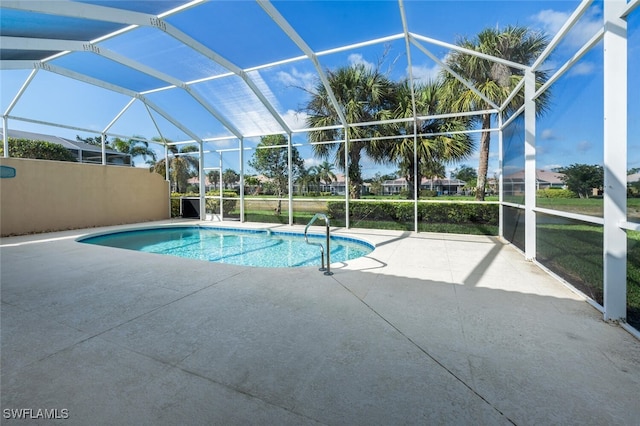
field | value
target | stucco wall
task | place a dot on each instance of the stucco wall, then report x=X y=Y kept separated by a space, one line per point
x=55 y=195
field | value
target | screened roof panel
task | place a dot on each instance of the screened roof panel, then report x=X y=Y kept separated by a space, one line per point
x=236 y=101
x=142 y=6
x=19 y=23
x=239 y=31
x=25 y=55
x=108 y=71
x=329 y=24
x=156 y=49
x=191 y=114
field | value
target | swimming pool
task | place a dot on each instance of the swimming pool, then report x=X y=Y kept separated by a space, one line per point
x=261 y=248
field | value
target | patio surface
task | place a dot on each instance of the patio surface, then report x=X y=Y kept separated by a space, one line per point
x=428 y=329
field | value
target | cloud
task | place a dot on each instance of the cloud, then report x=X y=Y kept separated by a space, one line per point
x=425 y=73
x=358 y=59
x=295 y=78
x=548 y=135
x=310 y=162
x=551 y=167
x=584 y=146
x=295 y=120
x=551 y=21
x=582 y=68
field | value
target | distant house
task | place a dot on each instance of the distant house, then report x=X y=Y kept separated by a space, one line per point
x=545 y=179
x=83 y=152
x=441 y=186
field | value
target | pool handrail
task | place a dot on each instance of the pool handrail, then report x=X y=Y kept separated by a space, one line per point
x=327 y=270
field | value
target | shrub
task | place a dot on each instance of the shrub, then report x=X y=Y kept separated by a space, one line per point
x=41 y=150
x=427 y=212
x=427 y=193
x=555 y=193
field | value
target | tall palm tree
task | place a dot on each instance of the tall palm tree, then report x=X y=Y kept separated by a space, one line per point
x=182 y=164
x=432 y=150
x=135 y=148
x=495 y=81
x=364 y=95
x=325 y=173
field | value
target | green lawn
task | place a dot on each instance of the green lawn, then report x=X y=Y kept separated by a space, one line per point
x=575 y=253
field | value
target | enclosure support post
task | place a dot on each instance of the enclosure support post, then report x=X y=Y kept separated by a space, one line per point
x=290 y=171
x=500 y=175
x=220 y=189
x=104 y=149
x=346 y=177
x=5 y=137
x=529 y=164
x=203 y=187
x=241 y=180
x=615 y=160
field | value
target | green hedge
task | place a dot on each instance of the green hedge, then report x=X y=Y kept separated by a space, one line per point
x=213 y=205
x=41 y=150
x=555 y=193
x=427 y=212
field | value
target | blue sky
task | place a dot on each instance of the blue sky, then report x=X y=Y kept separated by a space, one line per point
x=570 y=131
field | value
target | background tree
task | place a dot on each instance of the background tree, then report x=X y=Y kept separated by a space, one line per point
x=465 y=173
x=432 y=150
x=253 y=184
x=324 y=173
x=307 y=179
x=365 y=95
x=182 y=165
x=495 y=81
x=230 y=177
x=134 y=148
x=583 y=178
x=214 y=178
x=273 y=164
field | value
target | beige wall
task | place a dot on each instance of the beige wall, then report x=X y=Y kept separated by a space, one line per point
x=56 y=195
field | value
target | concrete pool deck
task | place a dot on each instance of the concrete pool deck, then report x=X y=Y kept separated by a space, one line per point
x=427 y=329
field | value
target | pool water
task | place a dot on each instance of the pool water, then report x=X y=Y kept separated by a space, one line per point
x=270 y=249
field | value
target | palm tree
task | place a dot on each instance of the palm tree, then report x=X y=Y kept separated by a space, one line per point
x=325 y=173
x=495 y=81
x=135 y=148
x=432 y=150
x=364 y=95
x=181 y=165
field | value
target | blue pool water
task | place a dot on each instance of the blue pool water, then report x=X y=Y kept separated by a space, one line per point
x=270 y=249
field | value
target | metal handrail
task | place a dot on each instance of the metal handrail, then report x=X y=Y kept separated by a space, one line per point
x=327 y=270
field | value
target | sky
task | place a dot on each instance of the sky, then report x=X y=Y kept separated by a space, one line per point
x=569 y=131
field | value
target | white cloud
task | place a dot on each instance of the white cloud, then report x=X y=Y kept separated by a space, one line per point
x=551 y=167
x=582 y=68
x=306 y=80
x=425 y=73
x=552 y=20
x=584 y=146
x=548 y=135
x=312 y=161
x=295 y=120
x=358 y=59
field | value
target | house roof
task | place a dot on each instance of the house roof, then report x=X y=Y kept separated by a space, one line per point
x=542 y=176
x=67 y=143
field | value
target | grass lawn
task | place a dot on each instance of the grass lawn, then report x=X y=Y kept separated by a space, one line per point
x=588 y=206
x=575 y=253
